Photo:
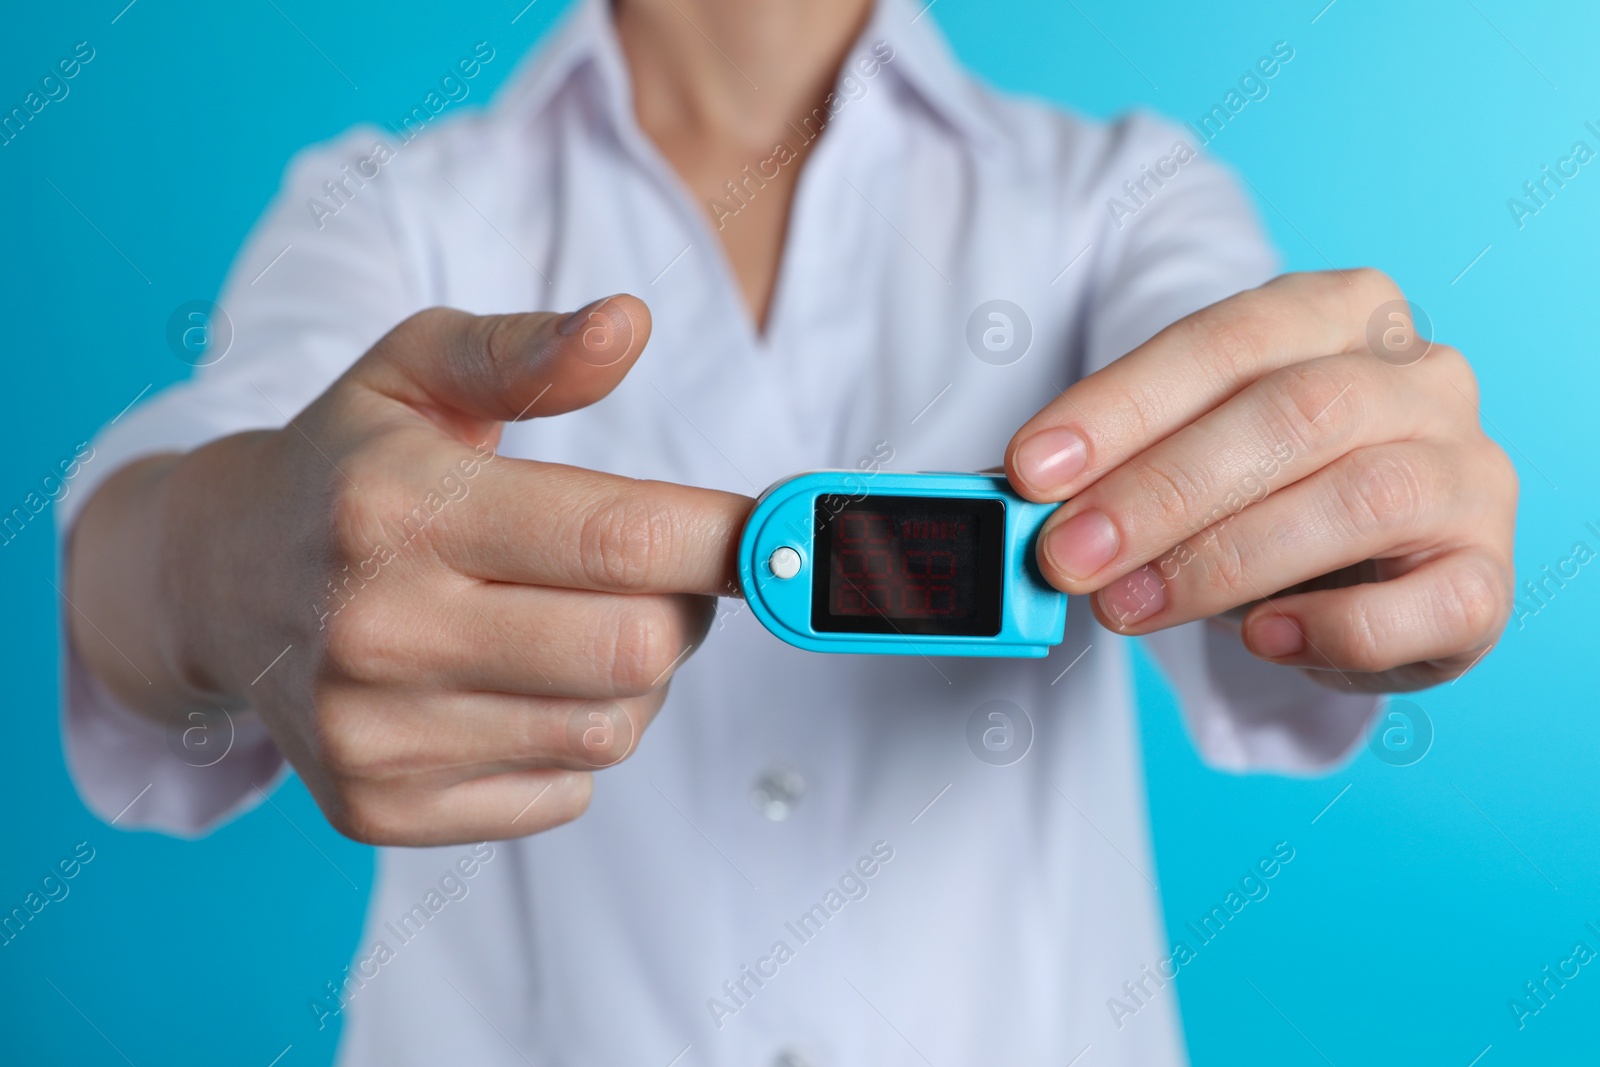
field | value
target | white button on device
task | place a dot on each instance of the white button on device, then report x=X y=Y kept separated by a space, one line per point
x=785 y=562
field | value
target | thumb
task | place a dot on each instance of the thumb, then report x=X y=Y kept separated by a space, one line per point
x=473 y=371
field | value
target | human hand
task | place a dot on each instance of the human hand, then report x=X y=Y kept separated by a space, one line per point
x=472 y=635
x=1260 y=455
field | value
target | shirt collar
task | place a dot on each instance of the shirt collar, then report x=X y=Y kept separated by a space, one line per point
x=586 y=42
x=924 y=62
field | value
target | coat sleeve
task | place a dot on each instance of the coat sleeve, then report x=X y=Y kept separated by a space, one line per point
x=323 y=275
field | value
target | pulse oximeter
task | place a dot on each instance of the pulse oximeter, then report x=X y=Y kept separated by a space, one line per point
x=930 y=563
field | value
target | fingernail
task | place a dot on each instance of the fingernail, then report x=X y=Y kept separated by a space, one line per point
x=1134 y=597
x=1082 y=545
x=1275 y=636
x=572 y=322
x=1050 y=459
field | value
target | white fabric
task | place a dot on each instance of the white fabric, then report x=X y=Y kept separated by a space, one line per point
x=1022 y=899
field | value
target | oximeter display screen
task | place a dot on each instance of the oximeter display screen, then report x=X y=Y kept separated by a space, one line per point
x=908 y=564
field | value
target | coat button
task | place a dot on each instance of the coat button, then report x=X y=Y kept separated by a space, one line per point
x=777 y=791
x=792 y=1057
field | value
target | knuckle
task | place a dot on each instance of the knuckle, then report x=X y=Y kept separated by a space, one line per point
x=1472 y=601
x=427 y=325
x=420 y=523
x=1456 y=370
x=465 y=348
x=355 y=525
x=1377 y=286
x=1133 y=404
x=564 y=797
x=1381 y=489
x=573 y=801
x=1365 y=640
x=1171 y=490
x=491 y=355
x=641 y=650
x=1227 y=574
x=361 y=521
x=345 y=645
x=539 y=732
x=363 y=819
x=1231 y=337
x=622 y=543
x=1371 y=277
x=602 y=735
x=1504 y=471
x=1304 y=403
x=432 y=318
x=1452 y=358
x=343 y=749
x=422 y=332
x=361 y=644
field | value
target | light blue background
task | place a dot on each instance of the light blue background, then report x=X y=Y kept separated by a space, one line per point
x=1411 y=913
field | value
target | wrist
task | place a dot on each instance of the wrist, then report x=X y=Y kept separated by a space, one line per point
x=207 y=531
x=114 y=618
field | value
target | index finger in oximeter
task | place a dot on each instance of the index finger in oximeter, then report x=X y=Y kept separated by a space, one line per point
x=925 y=563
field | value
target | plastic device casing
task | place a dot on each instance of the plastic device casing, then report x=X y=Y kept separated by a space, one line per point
x=1033 y=616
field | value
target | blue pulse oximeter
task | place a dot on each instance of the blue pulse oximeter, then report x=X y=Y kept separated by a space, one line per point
x=931 y=563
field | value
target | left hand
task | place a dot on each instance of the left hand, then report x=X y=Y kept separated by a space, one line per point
x=1259 y=455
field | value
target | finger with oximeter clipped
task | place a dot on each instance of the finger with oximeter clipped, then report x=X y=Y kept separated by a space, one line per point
x=1262 y=444
x=1108 y=421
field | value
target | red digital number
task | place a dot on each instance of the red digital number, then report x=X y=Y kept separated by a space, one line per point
x=920 y=586
x=927 y=589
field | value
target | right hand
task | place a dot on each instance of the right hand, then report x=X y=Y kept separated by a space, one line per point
x=471 y=635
